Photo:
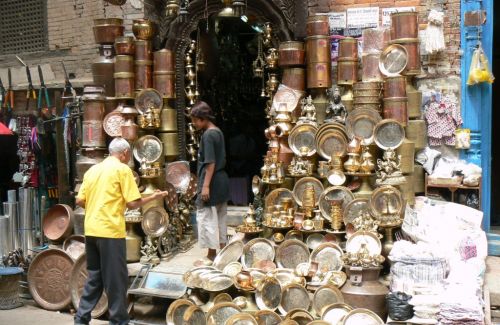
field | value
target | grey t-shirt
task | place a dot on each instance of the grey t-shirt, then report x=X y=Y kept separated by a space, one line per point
x=213 y=150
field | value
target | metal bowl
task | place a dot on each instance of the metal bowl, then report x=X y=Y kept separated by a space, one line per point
x=155 y=221
x=57 y=224
x=74 y=245
x=143 y=29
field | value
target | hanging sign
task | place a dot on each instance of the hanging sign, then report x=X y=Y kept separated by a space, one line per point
x=337 y=20
x=386 y=14
x=367 y=17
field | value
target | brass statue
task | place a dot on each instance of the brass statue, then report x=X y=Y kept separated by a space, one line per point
x=149 y=252
x=308 y=111
x=389 y=169
x=335 y=111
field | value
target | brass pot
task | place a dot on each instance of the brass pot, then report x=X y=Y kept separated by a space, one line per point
x=395 y=108
x=168 y=117
x=87 y=158
x=143 y=74
x=170 y=144
x=404 y=25
x=291 y=53
x=124 y=63
x=164 y=82
x=124 y=45
x=143 y=50
x=352 y=164
x=407 y=152
x=124 y=85
x=143 y=29
x=318 y=49
x=102 y=72
x=319 y=75
x=395 y=87
x=93 y=134
x=294 y=78
x=133 y=244
x=414 y=100
x=416 y=131
x=106 y=30
x=317 y=25
x=164 y=60
x=348 y=48
x=412 y=46
x=347 y=71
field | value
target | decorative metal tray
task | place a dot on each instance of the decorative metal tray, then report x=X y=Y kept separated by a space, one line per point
x=275 y=196
x=302 y=140
x=267 y=317
x=112 y=124
x=361 y=316
x=300 y=186
x=314 y=240
x=389 y=134
x=194 y=315
x=294 y=296
x=148 y=99
x=232 y=269
x=334 y=193
x=231 y=253
x=361 y=237
x=354 y=209
x=328 y=256
x=325 y=127
x=176 y=310
x=291 y=253
x=242 y=319
x=268 y=295
x=393 y=60
x=178 y=174
x=148 y=148
x=331 y=143
x=155 y=221
x=286 y=95
x=256 y=250
x=326 y=295
x=361 y=123
x=294 y=234
x=74 y=245
x=336 y=278
x=334 y=313
x=220 y=313
x=192 y=188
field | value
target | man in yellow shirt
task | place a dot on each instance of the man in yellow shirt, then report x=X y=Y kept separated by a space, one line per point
x=107 y=189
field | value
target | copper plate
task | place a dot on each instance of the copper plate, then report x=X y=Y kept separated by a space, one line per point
x=220 y=313
x=300 y=186
x=361 y=122
x=328 y=256
x=294 y=296
x=314 y=240
x=148 y=148
x=256 y=250
x=334 y=193
x=354 y=209
x=360 y=237
x=179 y=175
x=112 y=124
x=361 y=316
x=268 y=295
x=241 y=319
x=194 y=315
x=155 y=221
x=301 y=316
x=386 y=199
x=302 y=136
x=275 y=196
x=288 y=96
x=326 y=295
x=389 y=134
x=49 y=279
x=267 y=317
x=74 y=245
x=294 y=234
x=393 y=60
x=291 y=253
x=148 y=99
x=334 y=313
x=231 y=253
x=176 y=310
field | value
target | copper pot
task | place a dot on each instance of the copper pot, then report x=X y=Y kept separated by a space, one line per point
x=87 y=158
x=124 y=63
x=143 y=50
x=168 y=117
x=57 y=224
x=143 y=74
x=396 y=108
x=124 y=45
x=164 y=60
x=93 y=134
x=404 y=25
x=319 y=75
x=407 y=152
x=170 y=144
x=294 y=78
x=109 y=105
x=143 y=29
x=291 y=53
x=347 y=71
x=412 y=46
x=348 y=48
x=129 y=130
x=318 y=49
x=124 y=85
x=93 y=107
x=102 y=72
x=106 y=30
x=395 y=87
x=370 y=63
x=164 y=82
x=317 y=25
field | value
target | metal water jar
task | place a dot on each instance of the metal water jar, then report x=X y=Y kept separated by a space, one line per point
x=143 y=74
x=93 y=134
x=124 y=85
x=348 y=48
x=396 y=108
x=168 y=117
x=319 y=75
x=371 y=72
x=93 y=106
x=414 y=100
x=347 y=71
x=291 y=53
x=102 y=71
x=317 y=25
x=143 y=50
x=164 y=83
x=294 y=78
x=164 y=60
x=318 y=49
x=395 y=87
x=404 y=25
x=170 y=145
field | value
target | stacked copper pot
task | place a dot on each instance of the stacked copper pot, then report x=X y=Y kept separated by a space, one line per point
x=347 y=62
x=144 y=31
x=124 y=68
x=291 y=60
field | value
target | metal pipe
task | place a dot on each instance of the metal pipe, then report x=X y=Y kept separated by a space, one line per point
x=11 y=209
x=11 y=196
x=5 y=237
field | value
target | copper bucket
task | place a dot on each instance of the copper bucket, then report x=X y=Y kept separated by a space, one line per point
x=404 y=25
x=347 y=71
x=93 y=134
x=170 y=144
x=412 y=46
x=294 y=78
x=395 y=108
x=168 y=120
x=143 y=74
x=93 y=107
x=317 y=25
x=318 y=49
x=124 y=45
x=348 y=48
x=124 y=85
x=370 y=63
x=291 y=54
x=407 y=152
x=319 y=75
x=106 y=30
x=124 y=63
x=395 y=87
x=164 y=60
x=143 y=50
x=416 y=131
x=164 y=82
x=414 y=101
x=418 y=179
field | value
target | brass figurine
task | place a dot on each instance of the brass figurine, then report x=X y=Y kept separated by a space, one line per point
x=335 y=111
x=389 y=169
x=308 y=111
x=362 y=258
x=149 y=252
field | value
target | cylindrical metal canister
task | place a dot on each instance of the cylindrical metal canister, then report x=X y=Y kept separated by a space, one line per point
x=164 y=82
x=294 y=78
x=143 y=74
x=164 y=60
x=414 y=101
x=348 y=48
x=404 y=25
x=124 y=63
x=319 y=75
x=102 y=72
x=86 y=158
x=407 y=152
x=78 y=224
x=170 y=144
x=168 y=117
x=291 y=53
x=395 y=87
x=11 y=209
x=412 y=46
x=317 y=25
x=106 y=30
x=416 y=131
x=419 y=179
x=318 y=49
x=395 y=108
x=124 y=85
x=370 y=62
x=93 y=106
x=143 y=50
x=408 y=189
x=124 y=45
x=5 y=236
x=109 y=105
x=347 y=71
x=93 y=134
x=364 y=88
x=375 y=39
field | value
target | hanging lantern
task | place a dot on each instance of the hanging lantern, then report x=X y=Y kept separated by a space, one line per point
x=239 y=7
x=172 y=8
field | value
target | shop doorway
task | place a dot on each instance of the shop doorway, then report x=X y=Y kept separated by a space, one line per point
x=495 y=144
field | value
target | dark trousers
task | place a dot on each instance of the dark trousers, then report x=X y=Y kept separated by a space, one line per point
x=107 y=268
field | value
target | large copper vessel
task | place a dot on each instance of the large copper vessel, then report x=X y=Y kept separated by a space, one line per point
x=124 y=85
x=124 y=63
x=347 y=71
x=93 y=104
x=294 y=78
x=348 y=48
x=124 y=45
x=170 y=145
x=164 y=60
x=143 y=50
x=395 y=108
x=164 y=82
x=317 y=25
x=291 y=53
x=93 y=134
x=102 y=72
x=412 y=46
x=404 y=25
x=106 y=30
x=143 y=74
x=318 y=49
x=319 y=75
x=395 y=87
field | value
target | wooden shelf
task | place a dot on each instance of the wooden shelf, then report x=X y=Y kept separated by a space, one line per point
x=454 y=188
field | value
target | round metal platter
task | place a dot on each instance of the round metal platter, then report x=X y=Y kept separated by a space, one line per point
x=257 y=277
x=314 y=240
x=328 y=256
x=389 y=134
x=291 y=253
x=217 y=282
x=330 y=126
x=242 y=319
x=294 y=234
x=334 y=313
x=294 y=296
x=148 y=148
x=393 y=60
x=275 y=196
x=49 y=279
x=303 y=136
x=74 y=245
x=194 y=315
x=360 y=237
x=286 y=95
x=112 y=124
x=148 y=99
x=231 y=253
x=220 y=313
x=77 y=281
x=361 y=123
x=176 y=310
x=256 y=250
x=334 y=193
x=301 y=316
x=268 y=295
x=232 y=269
x=354 y=209
x=179 y=175
x=267 y=317
x=331 y=144
x=192 y=277
x=361 y=316
x=155 y=221
x=222 y=297
x=386 y=199
x=300 y=186
x=326 y=295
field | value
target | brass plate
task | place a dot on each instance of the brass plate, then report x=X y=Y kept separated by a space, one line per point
x=49 y=279
x=256 y=250
x=294 y=296
x=334 y=313
x=303 y=136
x=331 y=126
x=176 y=310
x=294 y=234
x=354 y=209
x=326 y=295
x=232 y=269
x=275 y=196
x=291 y=253
x=314 y=240
x=328 y=256
x=301 y=316
x=222 y=297
x=194 y=315
x=155 y=221
x=242 y=319
x=361 y=316
x=192 y=277
x=217 y=282
x=386 y=199
x=148 y=148
x=361 y=122
x=77 y=281
x=112 y=124
x=300 y=186
x=360 y=237
x=178 y=174
x=220 y=313
x=231 y=253
x=334 y=193
x=393 y=60
x=148 y=99
x=267 y=317
x=268 y=295
x=331 y=144
x=389 y=134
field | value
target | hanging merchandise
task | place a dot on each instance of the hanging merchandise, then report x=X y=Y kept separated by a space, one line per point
x=479 y=69
x=434 y=35
x=443 y=118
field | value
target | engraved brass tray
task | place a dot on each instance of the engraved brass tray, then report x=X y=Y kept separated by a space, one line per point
x=300 y=316
x=275 y=196
x=231 y=253
x=192 y=277
x=155 y=221
x=302 y=140
x=314 y=240
x=360 y=237
x=148 y=148
x=334 y=313
x=389 y=134
x=300 y=186
x=361 y=316
x=77 y=281
x=242 y=319
x=294 y=296
x=326 y=127
x=326 y=295
x=268 y=295
x=220 y=313
x=331 y=143
x=294 y=234
x=194 y=315
x=354 y=209
x=49 y=279
x=176 y=310
x=291 y=253
x=267 y=317
x=178 y=174
x=112 y=124
x=148 y=99
x=256 y=250
x=334 y=193
x=393 y=60
x=328 y=256
x=361 y=123
x=386 y=200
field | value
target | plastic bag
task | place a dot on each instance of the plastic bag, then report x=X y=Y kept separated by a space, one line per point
x=479 y=69
x=398 y=306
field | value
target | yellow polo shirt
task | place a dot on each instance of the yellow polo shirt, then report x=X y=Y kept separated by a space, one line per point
x=106 y=189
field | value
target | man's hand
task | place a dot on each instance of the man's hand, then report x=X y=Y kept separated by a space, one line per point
x=160 y=194
x=205 y=193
